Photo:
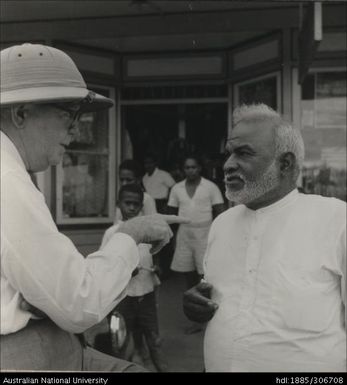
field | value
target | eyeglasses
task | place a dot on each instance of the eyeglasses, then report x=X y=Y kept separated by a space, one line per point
x=74 y=114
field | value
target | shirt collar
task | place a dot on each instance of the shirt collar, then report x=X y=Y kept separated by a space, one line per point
x=290 y=197
x=8 y=147
x=202 y=181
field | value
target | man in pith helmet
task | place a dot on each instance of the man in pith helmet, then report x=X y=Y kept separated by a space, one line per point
x=42 y=96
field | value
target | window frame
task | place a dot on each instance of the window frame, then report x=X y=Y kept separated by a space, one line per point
x=296 y=96
x=112 y=148
x=276 y=74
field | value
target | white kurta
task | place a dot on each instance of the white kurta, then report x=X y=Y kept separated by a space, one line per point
x=279 y=277
x=42 y=265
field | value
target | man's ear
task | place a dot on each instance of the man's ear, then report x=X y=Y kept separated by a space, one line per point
x=287 y=162
x=19 y=114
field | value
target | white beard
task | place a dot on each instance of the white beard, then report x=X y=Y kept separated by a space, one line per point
x=253 y=190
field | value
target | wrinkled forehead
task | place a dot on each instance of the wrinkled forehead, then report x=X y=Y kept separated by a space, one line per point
x=252 y=133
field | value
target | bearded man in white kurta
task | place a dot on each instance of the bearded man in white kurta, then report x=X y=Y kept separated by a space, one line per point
x=275 y=266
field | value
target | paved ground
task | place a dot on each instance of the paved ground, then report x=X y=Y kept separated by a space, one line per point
x=183 y=352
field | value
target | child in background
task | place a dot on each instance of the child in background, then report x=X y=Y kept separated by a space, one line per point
x=139 y=308
x=130 y=173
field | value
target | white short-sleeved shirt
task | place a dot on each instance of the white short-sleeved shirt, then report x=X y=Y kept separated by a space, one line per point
x=198 y=208
x=42 y=265
x=279 y=277
x=158 y=184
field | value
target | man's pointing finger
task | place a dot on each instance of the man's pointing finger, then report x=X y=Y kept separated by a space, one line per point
x=171 y=219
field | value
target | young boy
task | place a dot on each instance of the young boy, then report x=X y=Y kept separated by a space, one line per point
x=130 y=173
x=139 y=308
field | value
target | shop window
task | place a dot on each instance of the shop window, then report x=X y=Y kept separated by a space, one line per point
x=85 y=184
x=265 y=89
x=173 y=131
x=174 y=92
x=323 y=125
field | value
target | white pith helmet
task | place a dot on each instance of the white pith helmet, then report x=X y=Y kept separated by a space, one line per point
x=36 y=73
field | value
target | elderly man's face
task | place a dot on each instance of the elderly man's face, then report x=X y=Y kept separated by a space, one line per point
x=50 y=129
x=251 y=170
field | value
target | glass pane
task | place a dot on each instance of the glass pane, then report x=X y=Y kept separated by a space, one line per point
x=323 y=123
x=85 y=185
x=85 y=178
x=259 y=91
x=174 y=131
x=92 y=133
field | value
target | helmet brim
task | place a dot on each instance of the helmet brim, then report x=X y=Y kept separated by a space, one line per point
x=55 y=94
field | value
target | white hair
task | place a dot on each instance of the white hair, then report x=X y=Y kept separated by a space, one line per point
x=287 y=137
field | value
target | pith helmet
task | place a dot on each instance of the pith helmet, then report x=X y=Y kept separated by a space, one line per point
x=35 y=73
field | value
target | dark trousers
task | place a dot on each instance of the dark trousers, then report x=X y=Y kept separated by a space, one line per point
x=140 y=314
x=161 y=205
x=165 y=255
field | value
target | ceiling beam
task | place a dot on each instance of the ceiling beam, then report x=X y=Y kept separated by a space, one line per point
x=170 y=24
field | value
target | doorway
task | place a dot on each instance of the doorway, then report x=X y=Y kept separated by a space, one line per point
x=173 y=131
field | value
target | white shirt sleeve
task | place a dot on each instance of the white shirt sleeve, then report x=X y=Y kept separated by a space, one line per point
x=169 y=180
x=173 y=198
x=46 y=268
x=108 y=235
x=149 y=207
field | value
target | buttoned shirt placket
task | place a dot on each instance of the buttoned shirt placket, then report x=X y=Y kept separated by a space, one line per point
x=252 y=263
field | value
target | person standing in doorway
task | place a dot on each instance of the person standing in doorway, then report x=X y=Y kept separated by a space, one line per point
x=201 y=201
x=158 y=183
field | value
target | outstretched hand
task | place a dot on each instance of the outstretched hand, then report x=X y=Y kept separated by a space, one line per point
x=152 y=229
